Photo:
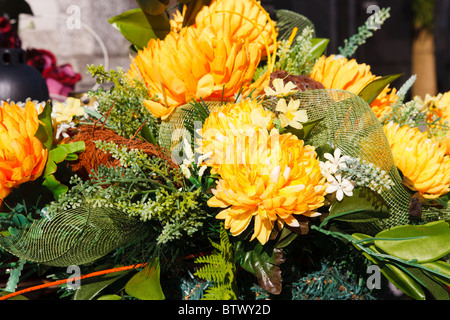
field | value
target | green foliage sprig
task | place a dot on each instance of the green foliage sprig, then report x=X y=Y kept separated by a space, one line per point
x=219 y=268
x=364 y=32
x=122 y=104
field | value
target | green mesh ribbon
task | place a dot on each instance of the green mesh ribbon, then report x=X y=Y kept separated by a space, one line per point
x=72 y=237
x=348 y=123
x=288 y=20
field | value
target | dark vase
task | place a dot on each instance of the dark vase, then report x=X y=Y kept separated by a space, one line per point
x=18 y=80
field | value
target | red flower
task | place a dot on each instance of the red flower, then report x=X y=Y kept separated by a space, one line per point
x=40 y=59
x=8 y=36
x=60 y=80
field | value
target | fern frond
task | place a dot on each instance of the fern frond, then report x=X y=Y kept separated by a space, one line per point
x=219 y=268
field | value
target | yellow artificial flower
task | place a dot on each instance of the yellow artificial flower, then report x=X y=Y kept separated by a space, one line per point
x=280 y=89
x=22 y=155
x=421 y=160
x=239 y=20
x=230 y=127
x=194 y=64
x=290 y=115
x=282 y=180
x=340 y=73
x=65 y=112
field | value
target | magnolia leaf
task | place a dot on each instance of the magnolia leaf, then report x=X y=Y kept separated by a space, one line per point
x=424 y=243
x=318 y=47
x=264 y=262
x=371 y=91
x=156 y=15
x=364 y=206
x=45 y=130
x=134 y=26
x=153 y=7
x=145 y=285
x=402 y=280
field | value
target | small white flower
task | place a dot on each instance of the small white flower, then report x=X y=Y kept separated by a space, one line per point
x=340 y=186
x=335 y=161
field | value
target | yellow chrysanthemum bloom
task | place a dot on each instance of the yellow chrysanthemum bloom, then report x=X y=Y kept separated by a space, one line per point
x=22 y=155
x=281 y=180
x=229 y=128
x=340 y=73
x=193 y=65
x=239 y=19
x=421 y=160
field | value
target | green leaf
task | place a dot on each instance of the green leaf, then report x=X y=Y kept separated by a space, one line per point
x=109 y=297
x=158 y=20
x=152 y=7
x=91 y=287
x=443 y=268
x=371 y=91
x=134 y=26
x=402 y=280
x=305 y=131
x=45 y=130
x=145 y=285
x=318 y=47
x=146 y=133
x=426 y=243
x=364 y=206
x=262 y=261
x=57 y=155
x=56 y=187
x=435 y=288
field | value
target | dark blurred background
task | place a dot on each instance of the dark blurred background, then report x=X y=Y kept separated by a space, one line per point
x=390 y=50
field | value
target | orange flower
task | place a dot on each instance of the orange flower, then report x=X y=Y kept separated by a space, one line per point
x=280 y=180
x=195 y=65
x=422 y=160
x=339 y=73
x=22 y=156
x=239 y=20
